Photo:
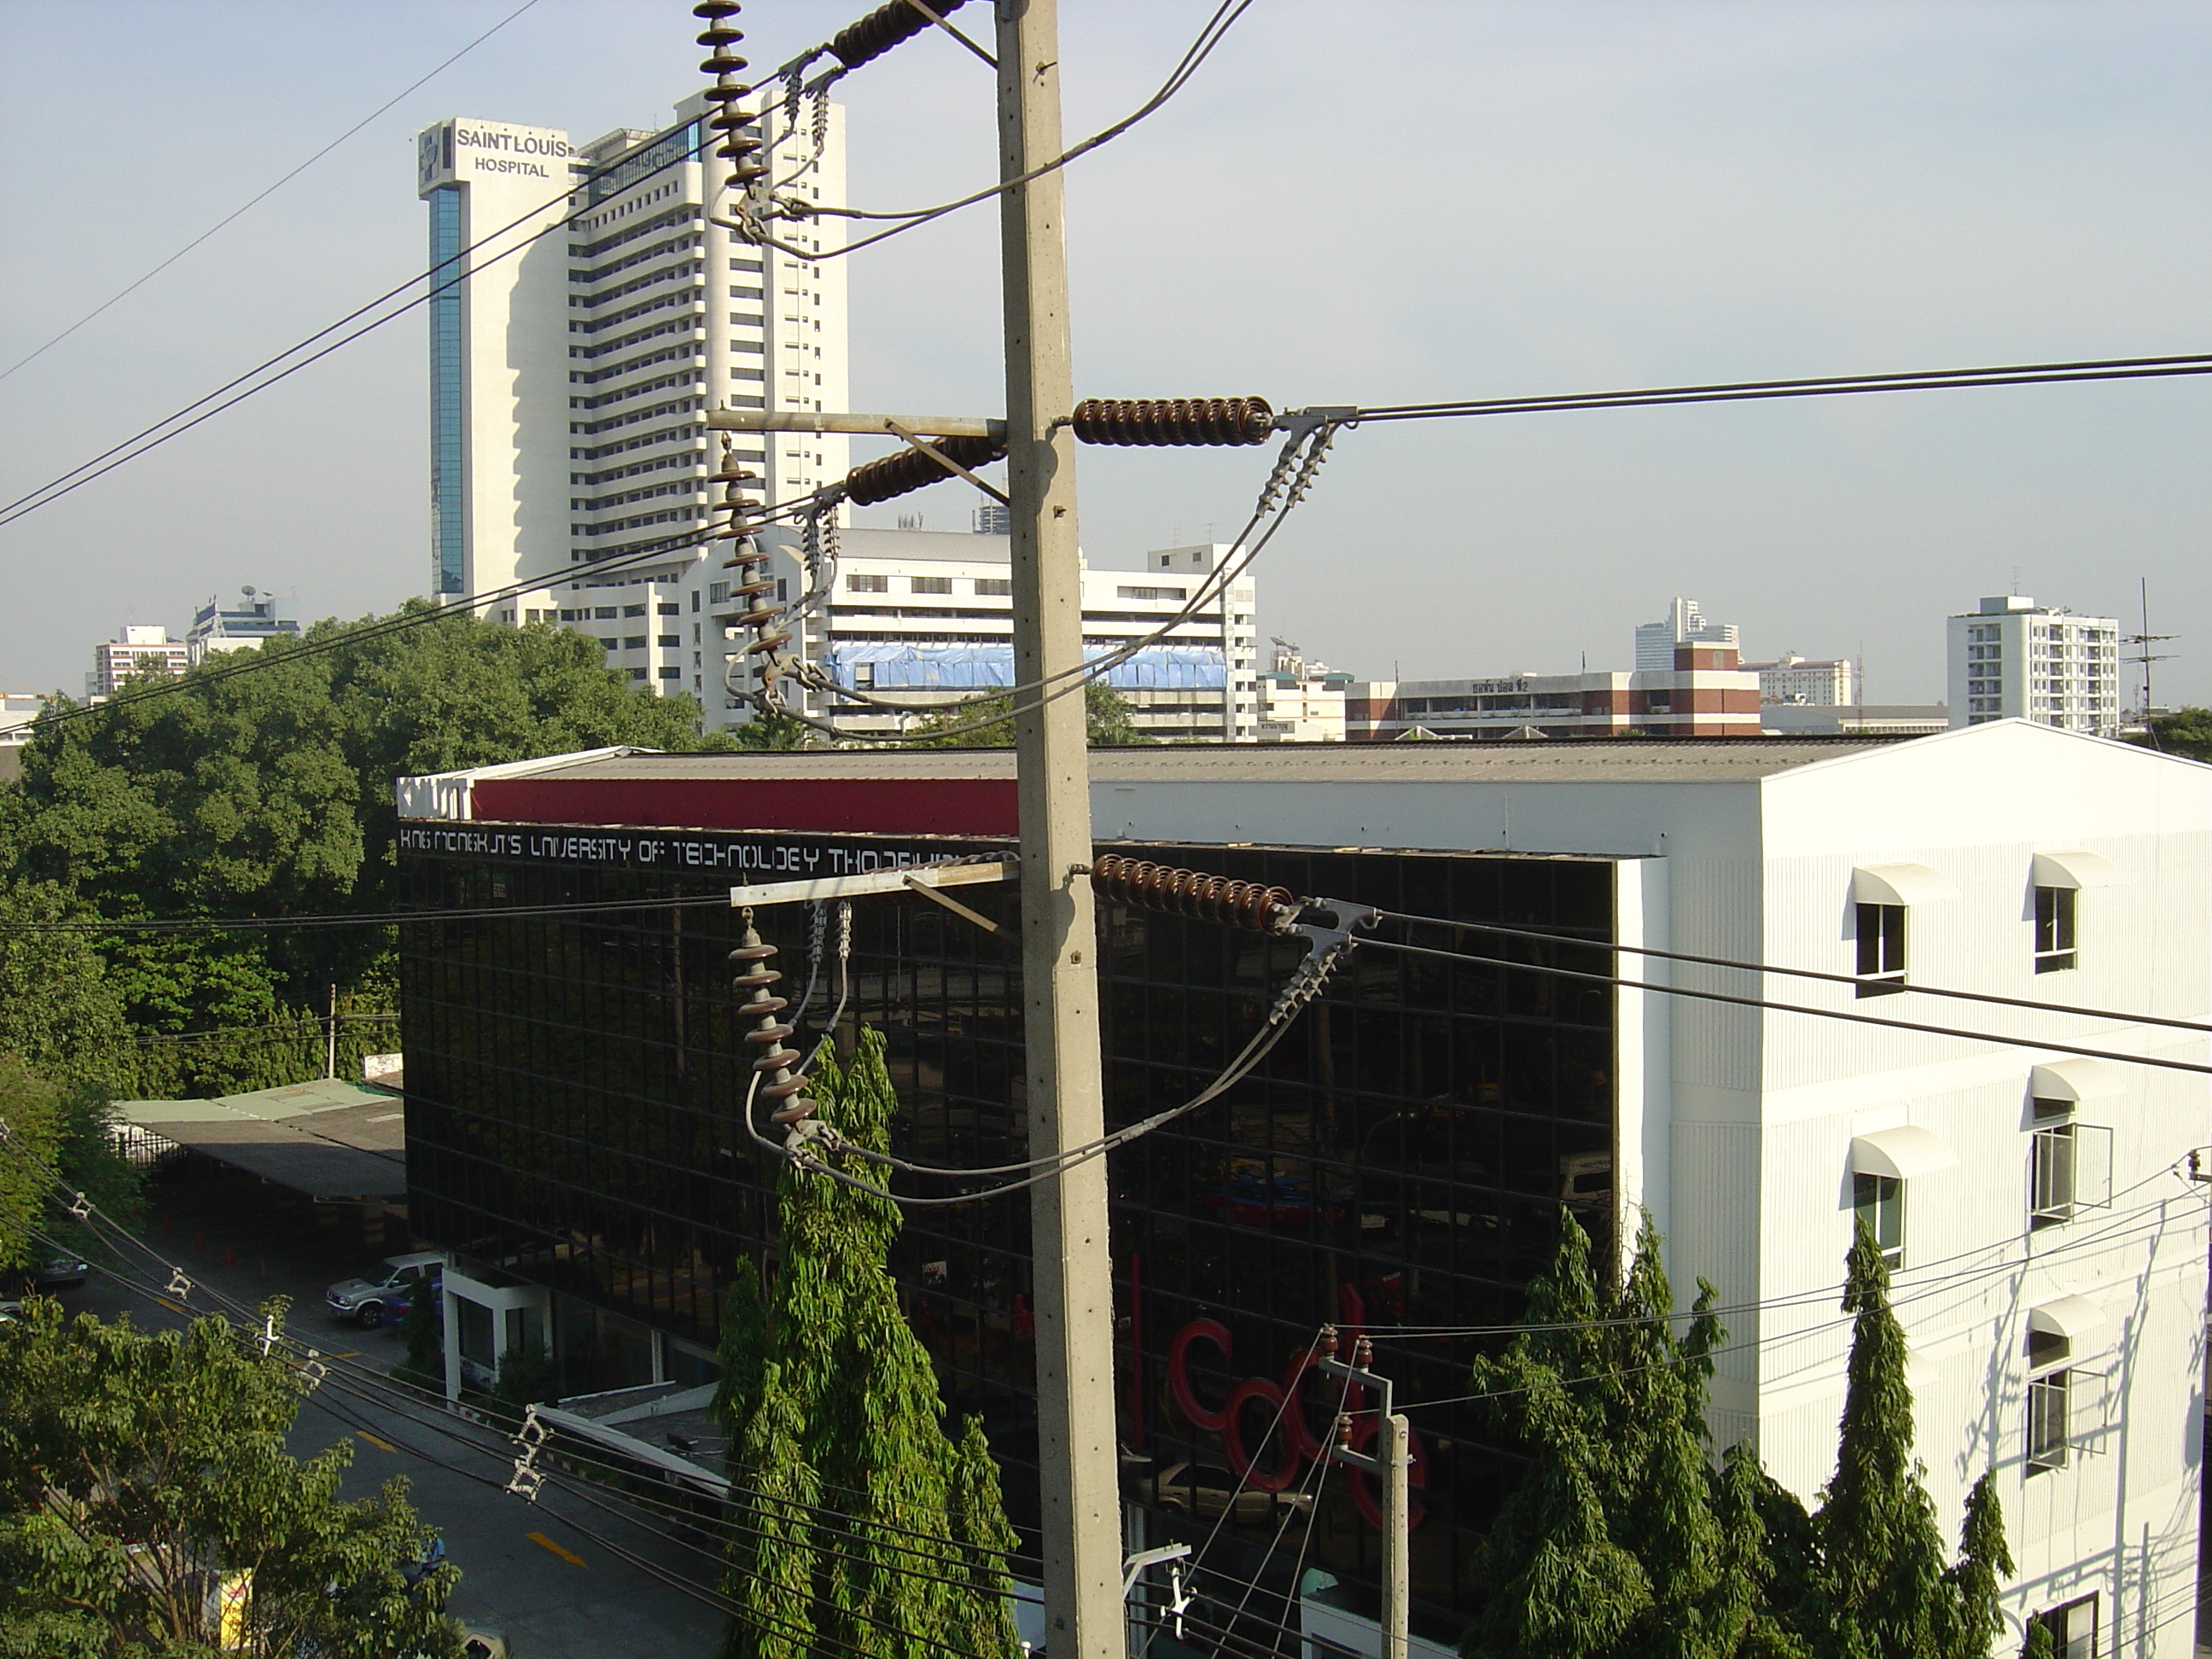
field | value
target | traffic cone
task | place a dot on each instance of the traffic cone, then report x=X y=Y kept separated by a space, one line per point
x=227 y=1260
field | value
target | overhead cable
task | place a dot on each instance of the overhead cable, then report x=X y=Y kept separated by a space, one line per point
x=1791 y=1007
x=253 y=201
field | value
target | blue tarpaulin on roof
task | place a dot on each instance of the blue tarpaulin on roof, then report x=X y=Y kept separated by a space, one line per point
x=979 y=667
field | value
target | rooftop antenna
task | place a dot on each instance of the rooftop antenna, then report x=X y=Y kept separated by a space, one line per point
x=2146 y=640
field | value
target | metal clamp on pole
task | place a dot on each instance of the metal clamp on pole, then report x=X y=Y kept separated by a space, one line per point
x=1390 y=1464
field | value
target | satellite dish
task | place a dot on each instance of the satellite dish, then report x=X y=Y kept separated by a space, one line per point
x=247 y=592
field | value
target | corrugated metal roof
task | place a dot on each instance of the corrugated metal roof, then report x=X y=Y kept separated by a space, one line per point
x=328 y=1140
x=1568 y=760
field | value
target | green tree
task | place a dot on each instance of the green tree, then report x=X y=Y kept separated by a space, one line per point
x=31 y=1110
x=2186 y=733
x=1880 y=1587
x=1108 y=723
x=142 y=1470
x=1621 y=1539
x=831 y=1401
x=264 y=793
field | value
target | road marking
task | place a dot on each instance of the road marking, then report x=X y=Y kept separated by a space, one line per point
x=356 y=1354
x=543 y=1542
x=375 y=1441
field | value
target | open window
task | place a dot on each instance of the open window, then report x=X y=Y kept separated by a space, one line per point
x=1882 y=1162
x=2070 y=1162
x=1881 y=894
x=2061 y=1395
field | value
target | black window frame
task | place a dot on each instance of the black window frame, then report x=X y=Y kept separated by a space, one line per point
x=1879 y=934
x=2057 y=930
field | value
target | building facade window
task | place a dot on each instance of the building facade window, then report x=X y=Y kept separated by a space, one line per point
x=2054 y=929
x=861 y=584
x=995 y=586
x=932 y=584
x=1881 y=949
x=1879 y=1201
x=2071 y=1166
x=2050 y=1402
x=2072 y=1628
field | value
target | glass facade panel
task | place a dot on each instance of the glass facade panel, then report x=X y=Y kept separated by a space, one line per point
x=448 y=483
x=1399 y=1159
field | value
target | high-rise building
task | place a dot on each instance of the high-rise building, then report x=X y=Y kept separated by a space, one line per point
x=142 y=650
x=588 y=314
x=2014 y=660
x=1821 y=682
x=242 y=627
x=1683 y=625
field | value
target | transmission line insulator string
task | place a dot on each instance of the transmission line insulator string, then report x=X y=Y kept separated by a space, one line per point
x=1173 y=421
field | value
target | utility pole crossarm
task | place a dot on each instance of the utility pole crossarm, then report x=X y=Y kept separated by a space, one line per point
x=888 y=426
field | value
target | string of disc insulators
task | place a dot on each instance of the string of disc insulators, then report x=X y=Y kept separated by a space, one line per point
x=1192 y=893
x=783 y=1082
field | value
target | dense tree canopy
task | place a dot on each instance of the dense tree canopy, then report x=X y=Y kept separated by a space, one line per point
x=141 y=1473
x=2185 y=732
x=266 y=792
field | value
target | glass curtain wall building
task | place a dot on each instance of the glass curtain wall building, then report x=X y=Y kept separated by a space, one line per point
x=1400 y=1158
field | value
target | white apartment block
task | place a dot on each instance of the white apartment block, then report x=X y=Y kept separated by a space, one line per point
x=575 y=353
x=1303 y=699
x=255 y=619
x=926 y=617
x=147 y=650
x=2048 y=1246
x=1683 y=625
x=2013 y=660
x=1806 y=681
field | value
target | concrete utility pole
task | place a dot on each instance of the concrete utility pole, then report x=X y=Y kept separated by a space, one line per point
x=1390 y=1464
x=1083 y=1604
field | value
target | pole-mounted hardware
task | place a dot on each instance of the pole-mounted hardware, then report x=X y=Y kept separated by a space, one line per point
x=1389 y=1463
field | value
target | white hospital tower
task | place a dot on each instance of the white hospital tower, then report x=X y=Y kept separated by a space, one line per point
x=597 y=315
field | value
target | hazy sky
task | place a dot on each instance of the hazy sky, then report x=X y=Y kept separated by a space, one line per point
x=1354 y=202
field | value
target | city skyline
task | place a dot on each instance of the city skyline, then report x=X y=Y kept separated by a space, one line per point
x=1643 y=198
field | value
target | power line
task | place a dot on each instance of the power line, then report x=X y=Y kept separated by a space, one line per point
x=2109 y=368
x=1790 y=1007
x=1795 y=973
x=271 y=190
x=340 y=638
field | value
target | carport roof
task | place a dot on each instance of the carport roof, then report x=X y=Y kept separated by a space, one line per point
x=329 y=1139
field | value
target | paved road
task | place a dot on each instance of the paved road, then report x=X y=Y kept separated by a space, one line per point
x=529 y=1571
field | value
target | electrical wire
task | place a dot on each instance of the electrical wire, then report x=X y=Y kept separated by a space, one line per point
x=68 y=482
x=341 y=638
x=271 y=190
x=1795 y=973
x=1790 y=1007
x=1217 y=27
x=2107 y=368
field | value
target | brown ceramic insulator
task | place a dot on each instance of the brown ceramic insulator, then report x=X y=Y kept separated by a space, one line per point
x=1190 y=892
x=1173 y=421
x=882 y=29
x=910 y=469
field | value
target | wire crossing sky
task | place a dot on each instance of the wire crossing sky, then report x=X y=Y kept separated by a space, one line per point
x=1505 y=201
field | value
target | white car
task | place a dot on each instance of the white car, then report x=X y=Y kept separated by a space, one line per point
x=362 y=1300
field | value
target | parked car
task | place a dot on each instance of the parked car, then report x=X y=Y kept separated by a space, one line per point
x=1204 y=1491
x=399 y=1303
x=11 y=1313
x=55 y=1272
x=362 y=1300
